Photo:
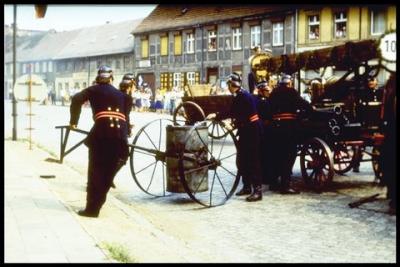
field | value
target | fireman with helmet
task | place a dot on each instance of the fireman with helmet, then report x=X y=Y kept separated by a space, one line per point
x=244 y=113
x=107 y=140
x=263 y=92
x=285 y=102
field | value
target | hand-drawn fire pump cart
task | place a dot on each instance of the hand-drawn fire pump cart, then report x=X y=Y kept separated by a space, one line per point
x=198 y=156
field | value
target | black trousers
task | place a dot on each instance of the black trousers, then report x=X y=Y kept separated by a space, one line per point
x=284 y=136
x=105 y=160
x=248 y=154
x=388 y=161
x=267 y=157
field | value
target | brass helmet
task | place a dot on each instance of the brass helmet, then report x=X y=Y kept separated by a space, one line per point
x=258 y=64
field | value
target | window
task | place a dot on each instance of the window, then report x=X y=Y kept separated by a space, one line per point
x=70 y=65
x=190 y=43
x=164 y=81
x=44 y=66
x=109 y=62
x=50 y=66
x=313 y=27
x=178 y=44
x=191 y=78
x=340 y=25
x=255 y=36
x=236 y=38
x=178 y=80
x=145 y=48
x=60 y=86
x=212 y=41
x=84 y=85
x=164 y=45
x=277 y=34
x=37 y=67
x=24 y=68
x=117 y=64
x=66 y=86
x=127 y=63
x=377 y=22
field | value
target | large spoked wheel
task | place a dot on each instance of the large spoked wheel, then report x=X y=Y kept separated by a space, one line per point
x=343 y=158
x=187 y=113
x=207 y=166
x=219 y=129
x=316 y=162
x=147 y=158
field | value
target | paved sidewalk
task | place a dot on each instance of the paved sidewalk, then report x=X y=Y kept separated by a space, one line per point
x=41 y=224
x=38 y=227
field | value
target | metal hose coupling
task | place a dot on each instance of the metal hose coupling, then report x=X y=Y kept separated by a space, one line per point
x=337 y=109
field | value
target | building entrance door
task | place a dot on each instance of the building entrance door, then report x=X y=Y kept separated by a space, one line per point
x=212 y=75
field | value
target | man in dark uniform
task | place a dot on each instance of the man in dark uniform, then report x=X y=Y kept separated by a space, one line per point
x=127 y=85
x=107 y=140
x=285 y=102
x=244 y=114
x=369 y=97
x=388 y=149
x=373 y=92
x=263 y=108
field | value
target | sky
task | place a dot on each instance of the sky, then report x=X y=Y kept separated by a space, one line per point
x=69 y=17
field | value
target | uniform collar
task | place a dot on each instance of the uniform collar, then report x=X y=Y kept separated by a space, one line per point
x=236 y=93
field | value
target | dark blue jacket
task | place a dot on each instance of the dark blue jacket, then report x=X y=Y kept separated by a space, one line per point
x=263 y=108
x=244 y=107
x=103 y=98
x=285 y=99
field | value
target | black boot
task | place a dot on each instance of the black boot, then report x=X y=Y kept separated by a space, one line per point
x=88 y=213
x=246 y=190
x=256 y=195
x=286 y=188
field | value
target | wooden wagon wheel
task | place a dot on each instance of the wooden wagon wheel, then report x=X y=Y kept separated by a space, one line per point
x=219 y=129
x=213 y=162
x=148 y=150
x=316 y=161
x=343 y=157
x=187 y=113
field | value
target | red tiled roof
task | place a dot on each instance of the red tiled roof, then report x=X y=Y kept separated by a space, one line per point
x=170 y=17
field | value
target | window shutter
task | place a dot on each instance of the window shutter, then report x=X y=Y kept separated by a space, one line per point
x=164 y=45
x=145 y=48
x=178 y=44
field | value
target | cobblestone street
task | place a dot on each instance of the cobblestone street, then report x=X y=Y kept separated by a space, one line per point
x=304 y=228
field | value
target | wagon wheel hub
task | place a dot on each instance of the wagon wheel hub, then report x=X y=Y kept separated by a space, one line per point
x=214 y=163
x=160 y=156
